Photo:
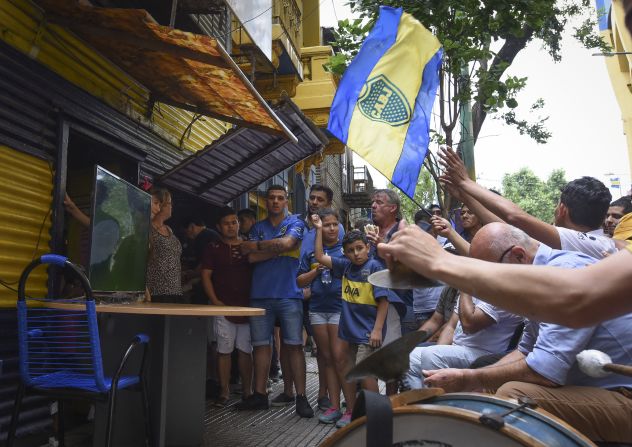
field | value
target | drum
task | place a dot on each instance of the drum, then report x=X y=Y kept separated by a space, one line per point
x=454 y=420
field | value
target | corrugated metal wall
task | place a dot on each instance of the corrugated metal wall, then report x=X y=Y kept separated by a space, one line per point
x=24 y=27
x=331 y=175
x=25 y=202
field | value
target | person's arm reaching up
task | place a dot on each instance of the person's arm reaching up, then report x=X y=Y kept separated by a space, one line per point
x=483 y=214
x=571 y=297
x=75 y=212
x=319 y=252
x=443 y=228
x=511 y=213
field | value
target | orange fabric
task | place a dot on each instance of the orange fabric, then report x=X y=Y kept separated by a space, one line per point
x=179 y=68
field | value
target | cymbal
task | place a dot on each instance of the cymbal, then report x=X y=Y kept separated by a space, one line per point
x=390 y=362
x=401 y=279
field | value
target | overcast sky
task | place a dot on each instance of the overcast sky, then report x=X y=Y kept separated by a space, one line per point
x=583 y=115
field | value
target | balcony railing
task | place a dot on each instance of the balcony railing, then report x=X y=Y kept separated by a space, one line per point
x=288 y=14
x=362 y=181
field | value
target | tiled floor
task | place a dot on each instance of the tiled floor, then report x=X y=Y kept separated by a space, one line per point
x=226 y=427
x=278 y=426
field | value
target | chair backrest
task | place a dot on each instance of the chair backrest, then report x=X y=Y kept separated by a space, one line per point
x=59 y=347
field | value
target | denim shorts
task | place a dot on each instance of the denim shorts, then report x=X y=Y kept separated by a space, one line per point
x=324 y=318
x=288 y=311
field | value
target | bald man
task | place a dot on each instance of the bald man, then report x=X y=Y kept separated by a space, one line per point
x=481 y=329
x=543 y=366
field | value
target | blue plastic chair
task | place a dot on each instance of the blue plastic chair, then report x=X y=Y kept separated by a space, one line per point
x=60 y=353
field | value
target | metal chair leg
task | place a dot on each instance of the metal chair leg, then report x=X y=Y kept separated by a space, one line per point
x=146 y=414
x=16 y=414
x=61 y=428
x=110 y=417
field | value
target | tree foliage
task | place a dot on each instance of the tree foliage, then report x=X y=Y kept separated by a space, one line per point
x=538 y=198
x=480 y=41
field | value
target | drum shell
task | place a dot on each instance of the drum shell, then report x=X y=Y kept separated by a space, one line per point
x=453 y=420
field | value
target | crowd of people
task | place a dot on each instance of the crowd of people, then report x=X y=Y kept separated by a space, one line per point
x=510 y=330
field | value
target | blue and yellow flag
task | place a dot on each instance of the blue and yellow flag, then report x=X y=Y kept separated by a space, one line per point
x=383 y=104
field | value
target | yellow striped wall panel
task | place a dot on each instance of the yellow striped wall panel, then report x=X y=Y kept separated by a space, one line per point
x=26 y=185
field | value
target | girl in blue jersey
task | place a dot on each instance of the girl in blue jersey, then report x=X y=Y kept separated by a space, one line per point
x=325 y=306
x=364 y=307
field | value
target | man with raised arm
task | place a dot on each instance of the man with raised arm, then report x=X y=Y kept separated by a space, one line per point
x=578 y=216
x=544 y=366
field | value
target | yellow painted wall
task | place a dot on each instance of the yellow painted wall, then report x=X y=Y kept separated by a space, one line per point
x=619 y=69
x=23 y=26
x=25 y=221
x=311 y=23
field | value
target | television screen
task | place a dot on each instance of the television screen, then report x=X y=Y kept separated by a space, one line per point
x=119 y=238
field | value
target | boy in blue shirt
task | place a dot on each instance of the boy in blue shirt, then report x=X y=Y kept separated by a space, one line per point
x=364 y=307
x=324 y=307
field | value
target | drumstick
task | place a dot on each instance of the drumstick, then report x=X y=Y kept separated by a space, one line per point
x=597 y=364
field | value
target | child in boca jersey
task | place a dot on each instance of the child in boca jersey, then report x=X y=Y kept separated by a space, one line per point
x=324 y=307
x=364 y=307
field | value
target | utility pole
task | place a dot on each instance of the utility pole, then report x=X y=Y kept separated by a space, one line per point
x=466 y=145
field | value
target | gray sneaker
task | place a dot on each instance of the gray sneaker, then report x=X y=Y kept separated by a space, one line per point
x=324 y=403
x=282 y=400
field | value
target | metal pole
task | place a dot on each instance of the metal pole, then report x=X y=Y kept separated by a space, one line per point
x=466 y=145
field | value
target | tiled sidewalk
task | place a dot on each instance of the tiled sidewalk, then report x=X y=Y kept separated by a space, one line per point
x=278 y=426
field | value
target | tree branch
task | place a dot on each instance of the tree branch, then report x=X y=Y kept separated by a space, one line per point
x=508 y=52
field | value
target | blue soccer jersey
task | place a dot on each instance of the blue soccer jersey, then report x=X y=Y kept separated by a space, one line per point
x=359 y=299
x=276 y=277
x=325 y=297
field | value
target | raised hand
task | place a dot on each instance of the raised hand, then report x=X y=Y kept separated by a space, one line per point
x=455 y=172
x=318 y=224
x=440 y=226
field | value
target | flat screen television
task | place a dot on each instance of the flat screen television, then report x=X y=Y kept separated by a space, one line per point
x=119 y=235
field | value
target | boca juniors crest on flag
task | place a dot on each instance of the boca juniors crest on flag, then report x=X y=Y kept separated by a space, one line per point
x=383 y=104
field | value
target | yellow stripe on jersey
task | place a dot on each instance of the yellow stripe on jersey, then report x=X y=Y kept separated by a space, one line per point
x=357 y=292
x=295 y=253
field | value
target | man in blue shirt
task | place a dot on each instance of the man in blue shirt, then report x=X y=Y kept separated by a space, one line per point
x=544 y=367
x=274 y=249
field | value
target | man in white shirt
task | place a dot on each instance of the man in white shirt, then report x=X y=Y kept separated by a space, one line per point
x=578 y=216
x=482 y=329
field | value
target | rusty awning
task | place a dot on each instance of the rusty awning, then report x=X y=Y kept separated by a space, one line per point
x=186 y=70
x=244 y=158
